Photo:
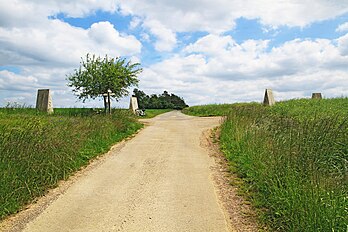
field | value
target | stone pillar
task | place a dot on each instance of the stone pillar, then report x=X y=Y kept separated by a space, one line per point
x=316 y=96
x=269 y=98
x=44 y=101
x=133 y=104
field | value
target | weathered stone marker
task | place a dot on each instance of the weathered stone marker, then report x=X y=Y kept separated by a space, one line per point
x=133 y=104
x=269 y=98
x=316 y=96
x=44 y=101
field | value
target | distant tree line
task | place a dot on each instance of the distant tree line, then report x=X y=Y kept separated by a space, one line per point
x=161 y=101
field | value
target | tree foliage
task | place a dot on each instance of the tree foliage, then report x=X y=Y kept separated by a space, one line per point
x=97 y=75
x=162 y=101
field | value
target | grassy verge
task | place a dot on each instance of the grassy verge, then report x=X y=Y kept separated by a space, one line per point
x=293 y=158
x=151 y=113
x=36 y=150
x=208 y=110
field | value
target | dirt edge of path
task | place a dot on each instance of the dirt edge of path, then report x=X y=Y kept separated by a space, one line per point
x=238 y=211
x=18 y=221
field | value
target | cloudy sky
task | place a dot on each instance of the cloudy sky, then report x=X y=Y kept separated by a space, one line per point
x=206 y=51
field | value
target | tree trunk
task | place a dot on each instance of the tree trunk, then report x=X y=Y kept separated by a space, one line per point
x=109 y=103
x=105 y=104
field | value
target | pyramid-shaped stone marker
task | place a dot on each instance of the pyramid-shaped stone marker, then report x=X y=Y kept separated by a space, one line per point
x=316 y=96
x=269 y=98
x=133 y=104
x=44 y=101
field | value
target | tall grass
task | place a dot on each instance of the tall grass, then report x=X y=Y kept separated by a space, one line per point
x=208 y=110
x=37 y=150
x=294 y=160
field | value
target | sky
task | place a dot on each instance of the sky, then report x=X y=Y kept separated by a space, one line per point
x=220 y=51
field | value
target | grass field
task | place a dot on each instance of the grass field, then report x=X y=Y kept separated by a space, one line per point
x=150 y=113
x=38 y=150
x=293 y=158
x=208 y=110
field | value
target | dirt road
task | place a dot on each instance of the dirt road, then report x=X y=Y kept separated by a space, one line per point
x=159 y=181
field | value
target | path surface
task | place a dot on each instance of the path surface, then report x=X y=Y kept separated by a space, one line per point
x=159 y=181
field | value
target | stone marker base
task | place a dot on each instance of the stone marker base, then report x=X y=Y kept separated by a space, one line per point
x=44 y=101
x=316 y=96
x=269 y=98
x=133 y=104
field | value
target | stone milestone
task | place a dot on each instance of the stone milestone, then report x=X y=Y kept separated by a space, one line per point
x=316 y=96
x=269 y=98
x=133 y=104
x=44 y=101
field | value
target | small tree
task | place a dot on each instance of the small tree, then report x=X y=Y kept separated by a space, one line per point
x=98 y=77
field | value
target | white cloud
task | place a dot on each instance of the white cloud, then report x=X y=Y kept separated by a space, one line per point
x=211 y=44
x=145 y=37
x=136 y=21
x=165 y=18
x=29 y=13
x=166 y=39
x=79 y=8
x=9 y=81
x=109 y=38
x=21 y=13
x=216 y=69
x=343 y=44
x=342 y=27
x=59 y=44
x=296 y=12
x=219 y=16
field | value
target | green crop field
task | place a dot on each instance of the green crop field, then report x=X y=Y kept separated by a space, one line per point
x=38 y=150
x=293 y=158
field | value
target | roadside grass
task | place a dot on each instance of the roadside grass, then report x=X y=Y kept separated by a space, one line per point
x=23 y=110
x=151 y=113
x=293 y=159
x=212 y=109
x=38 y=150
x=208 y=110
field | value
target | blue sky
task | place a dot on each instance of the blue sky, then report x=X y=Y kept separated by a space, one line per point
x=207 y=52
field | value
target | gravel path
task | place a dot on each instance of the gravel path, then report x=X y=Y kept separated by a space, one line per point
x=158 y=181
